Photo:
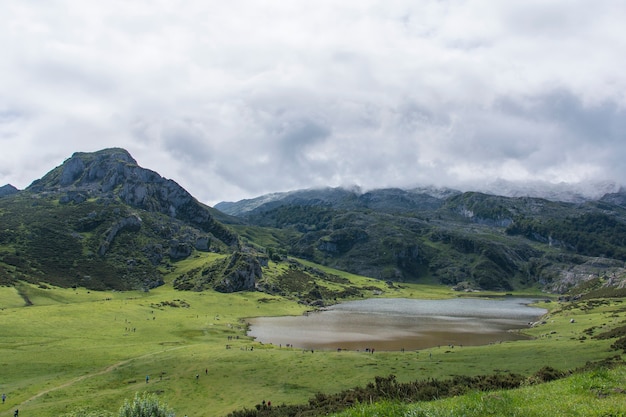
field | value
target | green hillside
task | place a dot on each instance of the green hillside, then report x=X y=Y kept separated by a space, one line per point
x=110 y=273
x=66 y=349
x=471 y=240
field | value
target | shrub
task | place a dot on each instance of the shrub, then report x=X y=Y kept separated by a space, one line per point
x=145 y=405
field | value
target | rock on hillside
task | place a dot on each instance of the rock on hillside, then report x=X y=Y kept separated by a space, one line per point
x=239 y=272
x=113 y=173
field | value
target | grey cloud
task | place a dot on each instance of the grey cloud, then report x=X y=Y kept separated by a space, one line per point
x=188 y=140
x=295 y=137
x=67 y=76
x=237 y=100
x=603 y=123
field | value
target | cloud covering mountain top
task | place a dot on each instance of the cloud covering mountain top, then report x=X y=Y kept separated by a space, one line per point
x=237 y=99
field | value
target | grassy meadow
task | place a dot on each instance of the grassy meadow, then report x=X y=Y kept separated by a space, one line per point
x=598 y=393
x=65 y=349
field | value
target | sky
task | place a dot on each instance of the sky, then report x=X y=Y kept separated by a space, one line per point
x=237 y=99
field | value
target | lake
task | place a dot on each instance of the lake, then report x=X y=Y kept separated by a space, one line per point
x=398 y=323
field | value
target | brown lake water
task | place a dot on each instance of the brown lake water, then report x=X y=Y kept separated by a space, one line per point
x=395 y=324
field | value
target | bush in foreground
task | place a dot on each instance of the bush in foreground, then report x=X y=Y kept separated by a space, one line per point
x=144 y=405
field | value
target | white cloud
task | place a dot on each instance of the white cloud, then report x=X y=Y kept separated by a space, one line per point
x=236 y=99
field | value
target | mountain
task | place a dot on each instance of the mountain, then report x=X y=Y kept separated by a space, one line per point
x=618 y=197
x=8 y=190
x=114 y=174
x=419 y=198
x=391 y=200
x=101 y=221
x=571 y=193
x=470 y=240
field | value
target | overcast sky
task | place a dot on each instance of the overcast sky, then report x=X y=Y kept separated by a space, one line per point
x=234 y=99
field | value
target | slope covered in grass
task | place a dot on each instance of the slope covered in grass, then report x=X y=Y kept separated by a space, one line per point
x=600 y=392
x=67 y=349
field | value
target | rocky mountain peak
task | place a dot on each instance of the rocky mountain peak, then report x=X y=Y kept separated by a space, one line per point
x=114 y=174
x=98 y=171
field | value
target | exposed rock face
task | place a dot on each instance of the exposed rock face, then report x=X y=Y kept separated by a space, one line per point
x=202 y=243
x=342 y=240
x=101 y=221
x=113 y=173
x=241 y=274
x=618 y=198
x=593 y=268
x=131 y=223
x=179 y=250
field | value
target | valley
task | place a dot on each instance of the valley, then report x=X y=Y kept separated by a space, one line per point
x=74 y=348
x=116 y=281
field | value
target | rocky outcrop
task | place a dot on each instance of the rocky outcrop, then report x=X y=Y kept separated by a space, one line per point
x=574 y=275
x=179 y=250
x=617 y=198
x=130 y=223
x=342 y=240
x=241 y=274
x=113 y=173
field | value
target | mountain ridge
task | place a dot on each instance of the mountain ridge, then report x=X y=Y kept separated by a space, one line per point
x=354 y=196
x=468 y=240
x=113 y=172
x=101 y=221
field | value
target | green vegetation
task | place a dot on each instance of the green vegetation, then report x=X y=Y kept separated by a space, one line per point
x=74 y=349
x=597 y=393
x=100 y=221
x=142 y=405
x=94 y=244
x=117 y=284
x=472 y=240
x=590 y=234
x=145 y=405
x=389 y=389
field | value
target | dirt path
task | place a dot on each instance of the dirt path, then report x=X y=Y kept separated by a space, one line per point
x=84 y=377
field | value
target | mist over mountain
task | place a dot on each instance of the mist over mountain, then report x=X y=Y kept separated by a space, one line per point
x=417 y=196
x=574 y=193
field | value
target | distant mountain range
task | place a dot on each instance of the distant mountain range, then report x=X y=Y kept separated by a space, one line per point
x=101 y=221
x=354 y=196
x=470 y=240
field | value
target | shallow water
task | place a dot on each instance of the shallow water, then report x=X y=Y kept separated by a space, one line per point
x=395 y=324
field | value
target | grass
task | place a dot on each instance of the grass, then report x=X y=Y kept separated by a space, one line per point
x=595 y=393
x=76 y=348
